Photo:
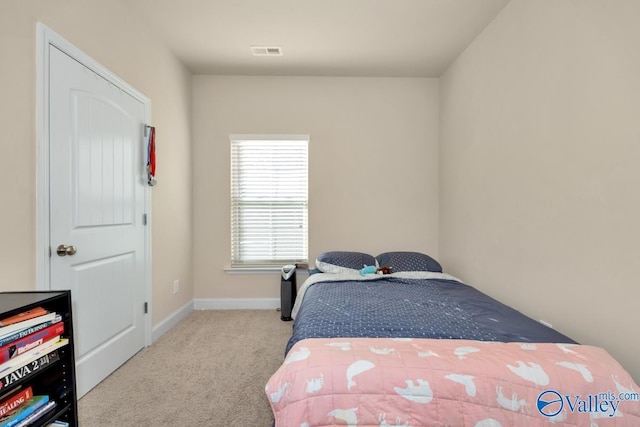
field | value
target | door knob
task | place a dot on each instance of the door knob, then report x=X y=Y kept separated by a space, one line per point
x=63 y=250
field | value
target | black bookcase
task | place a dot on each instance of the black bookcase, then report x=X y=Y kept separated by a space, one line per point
x=57 y=379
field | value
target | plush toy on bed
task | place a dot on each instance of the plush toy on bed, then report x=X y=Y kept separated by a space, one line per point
x=368 y=269
x=372 y=269
x=385 y=269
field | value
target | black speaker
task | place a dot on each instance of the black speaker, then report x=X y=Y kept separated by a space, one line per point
x=288 y=293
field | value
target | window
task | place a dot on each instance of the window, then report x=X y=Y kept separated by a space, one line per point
x=269 y=200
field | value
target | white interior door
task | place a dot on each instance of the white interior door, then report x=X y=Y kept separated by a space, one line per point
x=96 y=204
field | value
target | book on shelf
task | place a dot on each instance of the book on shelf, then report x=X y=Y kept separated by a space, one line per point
x=7 y=330
x=23 y=345
x=30 y=367
x=21 y=360
x=11 y=337
x=37 y=414
x=15 y=400
x=29 y=407
x=25 y=315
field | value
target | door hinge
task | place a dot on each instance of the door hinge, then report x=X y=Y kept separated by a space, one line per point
x=144 y=219
x=49 y=251
x=146 y=307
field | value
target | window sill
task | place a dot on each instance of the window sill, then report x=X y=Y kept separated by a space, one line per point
x=252 y=270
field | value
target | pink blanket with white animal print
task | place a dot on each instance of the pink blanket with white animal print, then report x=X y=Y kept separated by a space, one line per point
x=427 y=382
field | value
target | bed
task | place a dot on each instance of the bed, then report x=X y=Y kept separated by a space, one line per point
x=418 y=347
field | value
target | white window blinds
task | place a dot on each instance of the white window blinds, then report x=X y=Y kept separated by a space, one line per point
x=269 y=180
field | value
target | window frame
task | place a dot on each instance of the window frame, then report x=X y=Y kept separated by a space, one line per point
x=271 y=265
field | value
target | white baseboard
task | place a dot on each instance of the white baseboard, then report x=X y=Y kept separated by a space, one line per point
x=165 y=325
x=237 y=304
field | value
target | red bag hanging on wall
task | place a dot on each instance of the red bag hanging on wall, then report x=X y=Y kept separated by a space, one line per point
x=151 y=157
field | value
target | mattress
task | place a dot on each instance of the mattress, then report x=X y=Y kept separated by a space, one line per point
x=416 y=305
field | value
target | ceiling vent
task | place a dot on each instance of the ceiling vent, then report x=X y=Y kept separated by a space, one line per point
x=266 y=50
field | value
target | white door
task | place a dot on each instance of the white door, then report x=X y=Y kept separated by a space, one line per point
x=96 y=201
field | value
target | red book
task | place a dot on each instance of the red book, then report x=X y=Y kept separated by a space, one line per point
x=15 y=400
x=25 y=315
x=33 y=340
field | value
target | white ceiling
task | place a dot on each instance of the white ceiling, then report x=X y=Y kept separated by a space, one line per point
x=416 y=38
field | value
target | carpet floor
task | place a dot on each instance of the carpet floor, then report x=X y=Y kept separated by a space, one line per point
x=209 y=370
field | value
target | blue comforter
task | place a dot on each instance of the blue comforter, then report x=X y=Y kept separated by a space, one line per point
x=396 y=307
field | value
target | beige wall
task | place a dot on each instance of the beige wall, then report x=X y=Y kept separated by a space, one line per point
x=115 y=38
x=373 y=172
x=539 y=161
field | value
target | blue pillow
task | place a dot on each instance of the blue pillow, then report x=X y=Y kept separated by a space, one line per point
x=341 y=261
x=408 y=261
